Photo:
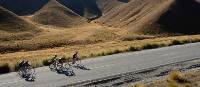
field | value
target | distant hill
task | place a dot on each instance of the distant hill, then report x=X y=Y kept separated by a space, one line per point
x=54 y=13
x=23 y=7
x=12 y=23
x=155 y=16
x=139 y=16
x=13 y=27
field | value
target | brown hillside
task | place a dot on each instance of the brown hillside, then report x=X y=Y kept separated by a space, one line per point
x=155 y=16
x=91 y=9
x=13 y=26
x=107 y=5
x=12 y=23
x=53 y=13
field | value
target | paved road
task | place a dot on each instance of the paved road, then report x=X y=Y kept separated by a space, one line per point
x=107 y=66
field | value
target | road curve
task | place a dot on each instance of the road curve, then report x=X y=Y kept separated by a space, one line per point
x=107 y=66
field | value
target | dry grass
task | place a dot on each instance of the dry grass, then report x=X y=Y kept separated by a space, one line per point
x=92 y=50
x=138 y=85
x=52 y=37
x=131 y=37
x=176 y=79
x=103 y=35
x=46 y=39
x=4 y=68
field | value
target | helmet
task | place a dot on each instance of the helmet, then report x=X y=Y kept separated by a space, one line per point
x=56 y=55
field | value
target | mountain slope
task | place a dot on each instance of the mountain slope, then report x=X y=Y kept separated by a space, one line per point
x=23 y=7
x=155 y=16
x=87 y=8
x=53 y=13
x=12 y=23
x=91 y=9
x=12 y=26
x=107 y=5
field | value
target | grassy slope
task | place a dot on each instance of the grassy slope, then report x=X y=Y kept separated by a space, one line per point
x=175 y=79
x=93 y=50
x=56 y=36
x=53 y=13
x=134 y=14
x=13 y=27
x=108 y=5
x=155 y=16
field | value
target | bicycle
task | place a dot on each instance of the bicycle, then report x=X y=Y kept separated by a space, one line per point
x=62 y=67
x=27 y=72
x=53 y=66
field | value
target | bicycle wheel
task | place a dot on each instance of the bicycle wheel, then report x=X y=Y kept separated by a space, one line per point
x=20 y=73
x=30 y=74
x=52 y=66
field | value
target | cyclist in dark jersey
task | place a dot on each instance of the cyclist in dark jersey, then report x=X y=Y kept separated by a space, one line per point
x=24 y=64
x=75 y=58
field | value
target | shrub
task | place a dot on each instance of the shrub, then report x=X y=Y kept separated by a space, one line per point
x=108 y=53
x=116 y=51
x=134 y=37
x=186 y=41
x=102 y=54
x=176 y=76
x=46 y=62
x=4 y=68
x=150 y=46
x=176 y=42
x=92 y=55
x=133 y=48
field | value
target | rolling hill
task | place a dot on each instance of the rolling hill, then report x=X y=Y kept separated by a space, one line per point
x=139 y=16
x=155 y=16
x=12 y=23
x=54 y=13
x=12 y=26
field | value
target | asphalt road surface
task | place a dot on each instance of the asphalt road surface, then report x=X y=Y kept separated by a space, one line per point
x=107 y=66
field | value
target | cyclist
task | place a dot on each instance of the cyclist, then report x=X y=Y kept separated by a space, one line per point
x=23 y=68
x=62 y=60
x=75 y=58
x=21 y=64
x=54 y=58
x=54 y=61
x=27 y=65
x=24 y=64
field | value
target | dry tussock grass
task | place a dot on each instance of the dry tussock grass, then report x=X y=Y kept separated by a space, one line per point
x=56 y=37
x=92 y=50
x=176 y=79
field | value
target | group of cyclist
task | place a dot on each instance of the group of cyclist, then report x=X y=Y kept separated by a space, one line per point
x=63 y=60
x=57 y=64
x=25 y=63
